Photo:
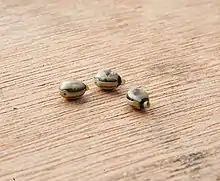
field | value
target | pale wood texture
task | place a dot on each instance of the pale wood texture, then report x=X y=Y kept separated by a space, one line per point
x=169 y=47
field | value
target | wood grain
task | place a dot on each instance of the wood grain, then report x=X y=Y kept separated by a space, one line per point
x=170 y=48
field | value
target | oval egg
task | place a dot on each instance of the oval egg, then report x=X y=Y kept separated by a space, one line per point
x=72 y=89
x=138 y=98
x=107 y=79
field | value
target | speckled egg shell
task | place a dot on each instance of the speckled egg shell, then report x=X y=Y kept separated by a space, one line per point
x=108 y=79
x=138 y=98
x=72 y=89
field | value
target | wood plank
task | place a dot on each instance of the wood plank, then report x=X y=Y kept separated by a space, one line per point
x=170 y=48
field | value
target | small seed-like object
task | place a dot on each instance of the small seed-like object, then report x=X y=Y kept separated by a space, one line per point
x=138 y=98
x=107 y=79
x=72 y=89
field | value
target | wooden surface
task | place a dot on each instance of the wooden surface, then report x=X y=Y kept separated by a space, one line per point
x=169 y=47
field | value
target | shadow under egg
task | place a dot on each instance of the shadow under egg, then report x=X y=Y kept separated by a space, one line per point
x=78 y=100
x=146 y=111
